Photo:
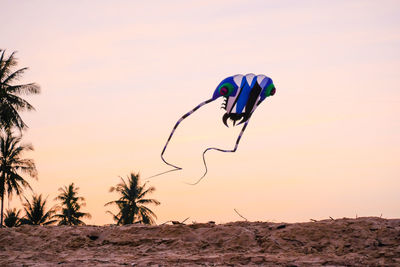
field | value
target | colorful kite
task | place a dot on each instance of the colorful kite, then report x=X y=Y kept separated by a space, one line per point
x=242 y=94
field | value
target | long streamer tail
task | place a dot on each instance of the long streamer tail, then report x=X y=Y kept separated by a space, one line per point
x=221 y=150
x=176 y=168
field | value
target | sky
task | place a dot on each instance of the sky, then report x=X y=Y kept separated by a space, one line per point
x=116 y=76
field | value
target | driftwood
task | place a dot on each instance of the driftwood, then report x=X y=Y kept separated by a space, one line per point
x=176 y=222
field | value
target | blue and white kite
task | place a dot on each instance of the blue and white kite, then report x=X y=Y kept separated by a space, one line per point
x=242 y=94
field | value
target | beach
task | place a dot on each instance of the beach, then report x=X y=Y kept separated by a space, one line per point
x=367 y=241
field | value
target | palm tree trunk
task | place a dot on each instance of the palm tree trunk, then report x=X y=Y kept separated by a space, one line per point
x=2 y=187
x=2 y=202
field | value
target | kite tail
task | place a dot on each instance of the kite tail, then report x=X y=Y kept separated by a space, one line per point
x=221 y=150
x=176 y=168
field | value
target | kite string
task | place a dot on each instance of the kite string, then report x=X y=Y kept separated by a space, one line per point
x=176 y=168
x=221 y=150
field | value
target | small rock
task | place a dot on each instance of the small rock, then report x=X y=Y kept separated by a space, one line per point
x=94 y=235
x=281 y=226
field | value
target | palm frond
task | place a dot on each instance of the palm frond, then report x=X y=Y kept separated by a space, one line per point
x=131 y=203
x=7 y=65
x=29 y=88
x=70 y=206
x=14 y=76
x=35 y=211
x=12 y=218
x=12 y=166
x=10 y=102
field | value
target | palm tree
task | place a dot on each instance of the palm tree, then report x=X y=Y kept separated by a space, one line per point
x=12 y=218
x=70 y=206
x=10 y=102
x=35 y=212
x=132 y=201
x=12 y=166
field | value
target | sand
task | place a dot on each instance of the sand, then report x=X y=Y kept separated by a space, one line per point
x=367 y=241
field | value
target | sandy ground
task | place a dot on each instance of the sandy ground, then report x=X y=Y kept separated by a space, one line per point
x=368 y=241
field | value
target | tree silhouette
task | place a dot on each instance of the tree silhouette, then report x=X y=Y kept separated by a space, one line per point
x=12 y=166
x=12 y=218
x=132 y=201
x=35 y=212
x=70 y=206
x=10 y=102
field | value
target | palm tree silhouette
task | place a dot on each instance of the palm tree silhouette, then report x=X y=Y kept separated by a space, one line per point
x=70 y=206
x=12 y=218
x=10 y=102
x=12 y=165
x=132 y=202
x=35 y=212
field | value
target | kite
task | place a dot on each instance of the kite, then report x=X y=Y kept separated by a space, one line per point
x=242 y=95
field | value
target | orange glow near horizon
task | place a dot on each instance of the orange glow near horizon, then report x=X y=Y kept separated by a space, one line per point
x=117 y=77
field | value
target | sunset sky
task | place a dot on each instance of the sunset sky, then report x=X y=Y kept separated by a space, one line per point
x=117 y=75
